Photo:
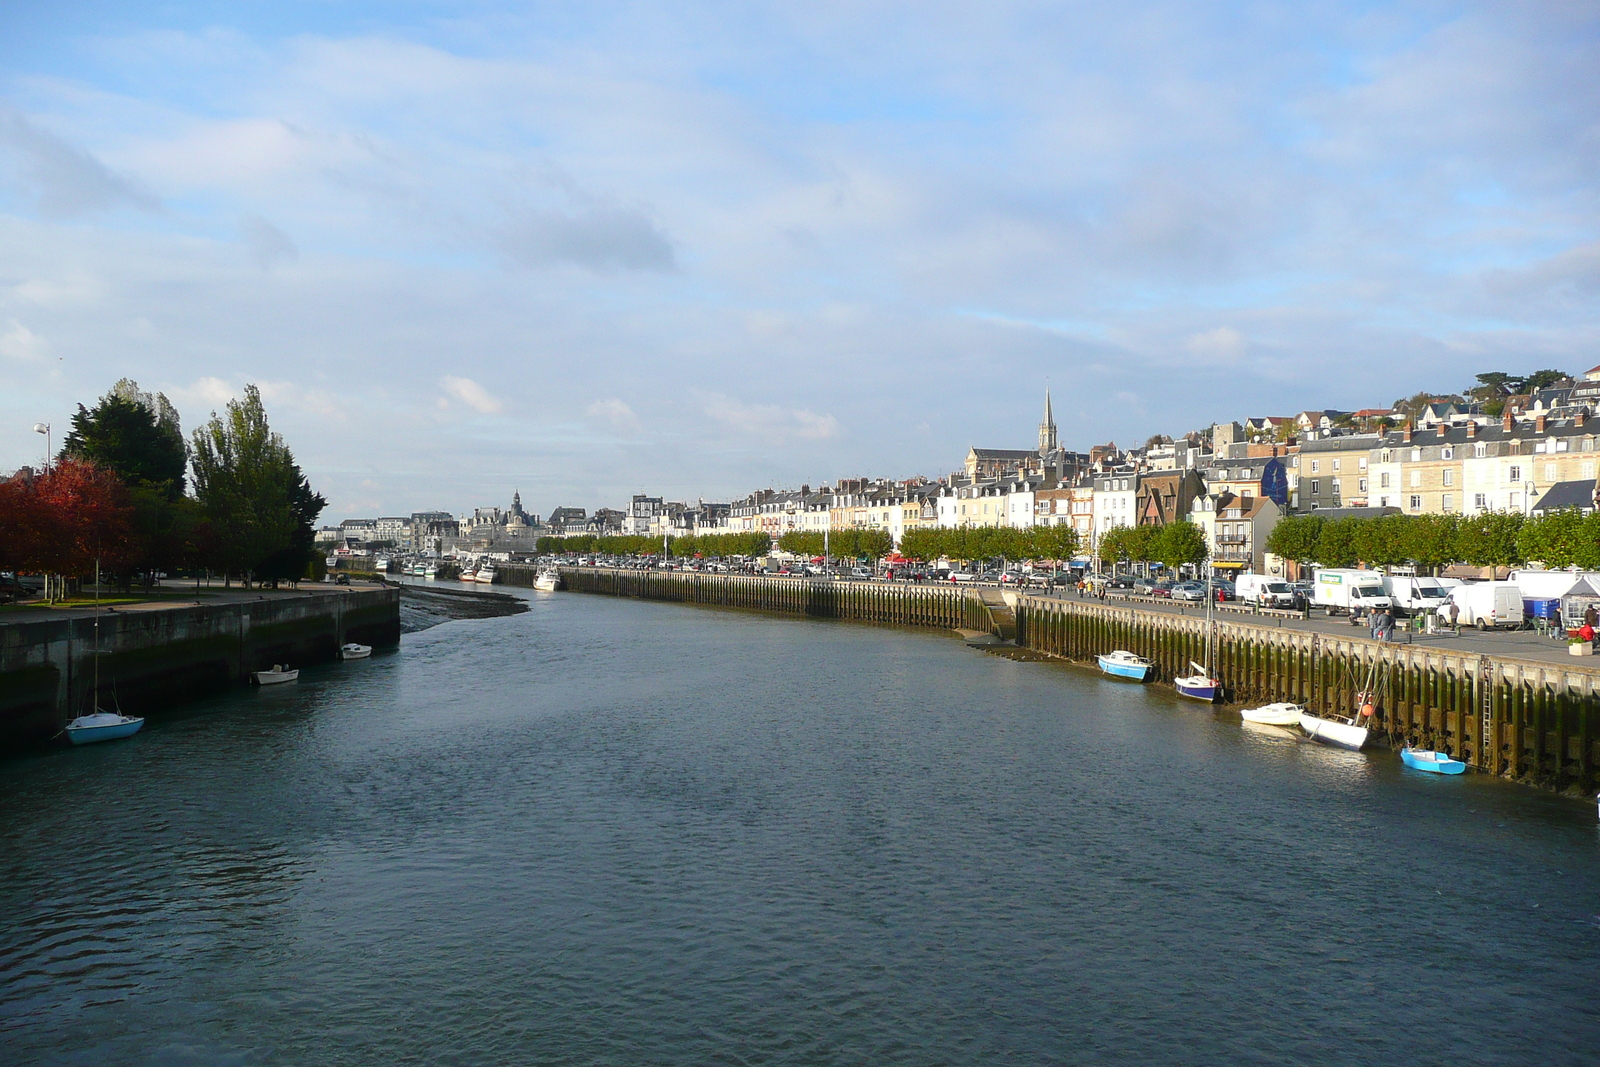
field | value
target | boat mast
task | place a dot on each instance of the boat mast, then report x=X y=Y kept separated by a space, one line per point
x=94 y=695
x=1210 y=574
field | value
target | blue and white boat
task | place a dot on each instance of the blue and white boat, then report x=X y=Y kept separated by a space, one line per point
x=1199 y=685
x=101 y=726
x=1123 y=664
x=1434 y=762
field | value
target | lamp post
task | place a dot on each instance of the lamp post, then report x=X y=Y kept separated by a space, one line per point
x=44 y=428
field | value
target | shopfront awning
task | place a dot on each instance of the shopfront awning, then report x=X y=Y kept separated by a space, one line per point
x=1228 y=565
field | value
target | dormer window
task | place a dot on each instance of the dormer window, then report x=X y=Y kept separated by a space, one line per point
x=1480 y=450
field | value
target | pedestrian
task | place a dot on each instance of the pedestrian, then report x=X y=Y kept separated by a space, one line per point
x=1591 y=617
x=1386 y=625
x=1372 y=624
x=1455 y=617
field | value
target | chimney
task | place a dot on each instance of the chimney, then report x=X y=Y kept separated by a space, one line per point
x=1444 y=429
x=1472 y=429
x=1580 y=417
x=1508 y=421
x=1538 y=424
x=1406 y=434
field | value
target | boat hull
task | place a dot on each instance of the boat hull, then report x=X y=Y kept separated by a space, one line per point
x=1119 y=668
x=1432 y=762
x=1197 y=688
x=354 y=651
x=1274 y=715
x=275 y=677
x=109 y=731
x=1334 y=733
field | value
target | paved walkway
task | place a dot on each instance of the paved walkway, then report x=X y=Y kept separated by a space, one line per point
x=1524 y=644
x=175 y=595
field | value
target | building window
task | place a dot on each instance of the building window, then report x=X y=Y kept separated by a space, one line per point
x=1480 y=502
x=1448 y=477
x=1549 y=472
x=1336 y=466
x=1588 y=444
x=1416 y=502
x=1314 y=466
x=1416 y=479
x=1362 y=463
x=1383 y=480
x=1447 y=452
x=1513 y=474
x=1588 y=469
x=1316 y=486
x=1416 y=455
x=1480 y=450
x=1361 y=485
x=1386 y=457
x=1448 y=502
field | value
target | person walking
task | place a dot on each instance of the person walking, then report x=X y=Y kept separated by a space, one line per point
x=1455 y=617
x=1386 y=625
x=1591 y=617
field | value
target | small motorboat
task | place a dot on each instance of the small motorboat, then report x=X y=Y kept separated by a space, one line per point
x=101 y=726
x=1124 y=664
x=485 y=576
x=1199 y=685
x=354 y=651
x=1342 y=732
x=549 y=580
x=1274 y=714
x=279 y=674
x=469 y=575
x=1435 y=762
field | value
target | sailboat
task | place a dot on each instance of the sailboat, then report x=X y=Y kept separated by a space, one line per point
x=1201 y=685
x=1345 y=732
x=100 y=725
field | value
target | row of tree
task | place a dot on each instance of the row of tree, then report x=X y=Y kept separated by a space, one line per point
x=117 y=495
x=840 y=544
x=708 y=545
x=1492 y=539
x=990 y=543
x=1174 y=544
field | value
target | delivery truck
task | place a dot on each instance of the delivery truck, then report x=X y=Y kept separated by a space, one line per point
x=1264 y=590
x=1343 y=590
x=1415 y=596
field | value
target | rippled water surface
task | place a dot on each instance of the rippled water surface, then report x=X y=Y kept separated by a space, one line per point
x=610 y=832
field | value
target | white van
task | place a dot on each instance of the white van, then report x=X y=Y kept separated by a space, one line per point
x=1486 y=605
x=1415 y=596
x=1342 y=589
x=1264 y=590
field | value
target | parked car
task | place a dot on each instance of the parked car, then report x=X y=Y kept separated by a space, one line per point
x=1189 y=591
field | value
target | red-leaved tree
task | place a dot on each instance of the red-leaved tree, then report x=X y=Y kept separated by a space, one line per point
x=63 y=521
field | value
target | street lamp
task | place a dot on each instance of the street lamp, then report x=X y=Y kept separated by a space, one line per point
x=44 y=428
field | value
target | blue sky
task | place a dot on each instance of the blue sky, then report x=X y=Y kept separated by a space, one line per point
x=695 y=249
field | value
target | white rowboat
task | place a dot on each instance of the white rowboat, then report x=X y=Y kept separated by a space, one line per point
x=276 y=676
x=1274 y=714
x=354 y=651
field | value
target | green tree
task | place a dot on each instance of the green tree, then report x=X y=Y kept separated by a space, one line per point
x=1542 y=379
x=1178 y=543
x=254 y=493
x=1058 y=542
x=1336 y=545
x=135 y=436
x=1295 y=537
x=1490 y=539
x=1432 y=541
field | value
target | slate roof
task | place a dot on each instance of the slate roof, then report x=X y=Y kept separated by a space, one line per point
x=1564 y=495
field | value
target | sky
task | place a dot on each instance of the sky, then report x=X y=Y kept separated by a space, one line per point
x=694 y=249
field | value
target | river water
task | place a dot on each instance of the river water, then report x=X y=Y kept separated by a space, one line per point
x=614 y=832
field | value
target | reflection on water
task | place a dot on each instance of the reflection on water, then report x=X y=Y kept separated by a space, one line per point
x=608 y=831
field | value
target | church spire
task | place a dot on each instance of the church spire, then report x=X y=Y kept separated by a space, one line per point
x=1047 y=428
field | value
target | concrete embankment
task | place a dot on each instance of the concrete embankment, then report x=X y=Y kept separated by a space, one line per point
x=155 y=655
x=1521 y=717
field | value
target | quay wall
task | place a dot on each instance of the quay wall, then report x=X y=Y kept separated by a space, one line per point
x=1533 y=721
x=152 y=659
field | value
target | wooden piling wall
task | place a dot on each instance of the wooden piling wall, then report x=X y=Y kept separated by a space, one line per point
x=1534 y=721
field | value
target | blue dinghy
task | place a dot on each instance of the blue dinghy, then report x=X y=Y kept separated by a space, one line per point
x=1434 y=762
x=1123 y=664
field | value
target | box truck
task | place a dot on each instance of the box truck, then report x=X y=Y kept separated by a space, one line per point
x=1486 y=605
x=1341 y=589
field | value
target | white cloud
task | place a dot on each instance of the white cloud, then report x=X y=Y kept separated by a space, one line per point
x=19 y=342
x=613 y=411
x=769 y=422
x=471 y=394
x=1221 y=345
x=211 y=394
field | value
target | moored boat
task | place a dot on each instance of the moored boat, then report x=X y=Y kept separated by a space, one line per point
x=469 y=574
x=1435 y=762
x=279 y=674
x=1342 y=732
x=1280 y=714
x=485 y=576
x=549 y=580
x=430 y=571
x=351 y=650
x=1124 y=664
x=1197 y=686
x=101 y=726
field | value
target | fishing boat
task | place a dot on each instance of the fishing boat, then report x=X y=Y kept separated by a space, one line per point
x=1435 y=762
x=1124 y=664
x=469 y=574
x=1274 y=714
x=485 y=575
x=1334 y=731
x=549 y=580
x=99 y=724
x=430 y=571
x=279 y=674
x=354 y=651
